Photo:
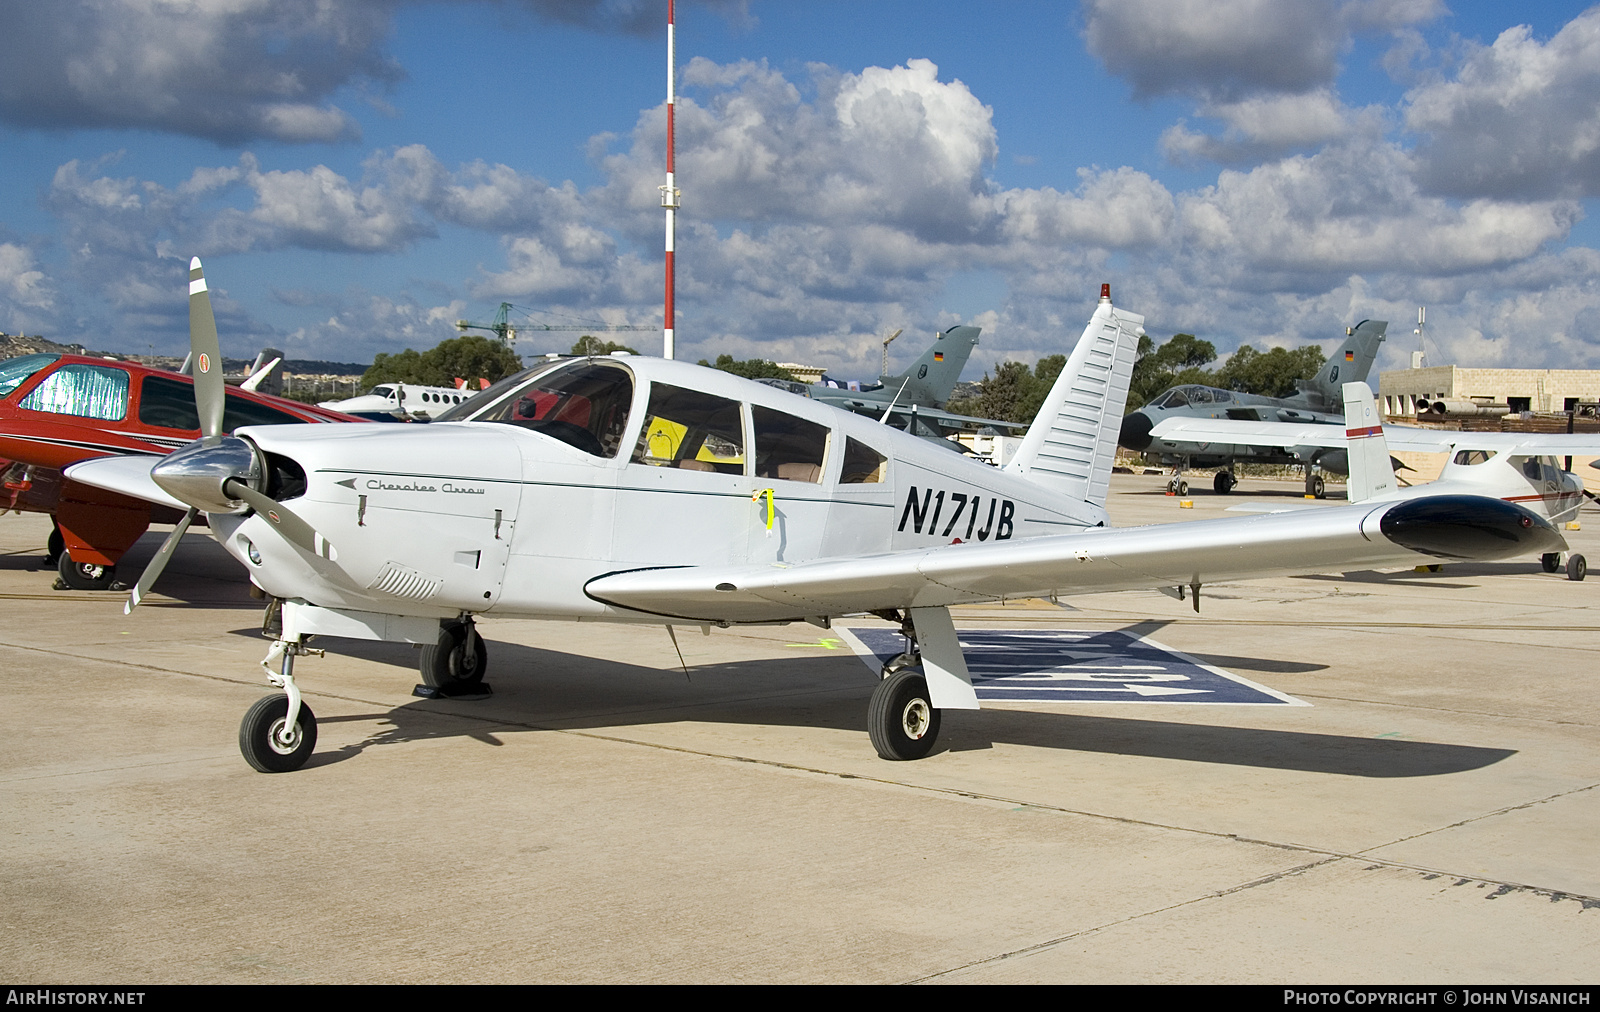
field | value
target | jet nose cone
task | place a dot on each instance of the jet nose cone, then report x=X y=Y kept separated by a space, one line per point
x=1469 y=527
x=1135 y=434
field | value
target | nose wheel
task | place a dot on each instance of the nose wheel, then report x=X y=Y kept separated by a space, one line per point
x=270 y=743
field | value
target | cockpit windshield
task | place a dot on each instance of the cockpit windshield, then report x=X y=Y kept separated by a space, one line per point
x=1173 y=398
x=584 y=404
x=14 y=370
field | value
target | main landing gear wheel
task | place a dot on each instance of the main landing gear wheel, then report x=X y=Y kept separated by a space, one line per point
x=1223 y=483
x=268 y=745
x=901 y=719
x=54 y=546
x=444 y=664
x=1316 y=487
x=1550 y=562
x=1178 y=487
x=1577 y=568
x=85 y=575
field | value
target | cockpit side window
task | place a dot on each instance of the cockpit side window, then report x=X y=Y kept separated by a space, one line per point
x=86 y=391
x=691 y=431
x=1469 y=457
x=787 y=447
x=14 y=370
x=584 y=405
x=862 y=464
x=1199 y=395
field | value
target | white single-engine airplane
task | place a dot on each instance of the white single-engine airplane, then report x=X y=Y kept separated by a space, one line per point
x=1518 y=467
x=633 y=489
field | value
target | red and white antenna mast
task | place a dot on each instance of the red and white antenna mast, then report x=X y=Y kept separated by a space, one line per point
x=669 y=192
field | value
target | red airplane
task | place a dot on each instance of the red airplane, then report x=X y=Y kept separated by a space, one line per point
x=56 y=410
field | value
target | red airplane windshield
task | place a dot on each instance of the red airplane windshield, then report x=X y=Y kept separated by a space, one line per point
x=14 y=370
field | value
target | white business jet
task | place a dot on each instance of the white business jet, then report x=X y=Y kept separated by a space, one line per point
x=632 y=489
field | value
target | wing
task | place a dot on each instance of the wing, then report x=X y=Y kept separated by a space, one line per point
x=1399 y=437
x=1203 y=551
x=129 y=475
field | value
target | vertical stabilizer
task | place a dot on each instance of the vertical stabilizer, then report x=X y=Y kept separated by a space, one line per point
x=1353 y=361
x=1071 y=444
x=1371 y=474
x=932 y=378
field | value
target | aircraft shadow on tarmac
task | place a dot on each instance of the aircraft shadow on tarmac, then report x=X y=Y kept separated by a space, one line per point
x=548 y=690
x=200 y=572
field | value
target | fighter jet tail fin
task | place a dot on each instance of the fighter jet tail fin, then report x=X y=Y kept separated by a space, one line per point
x=932 y=378
x=1353 y=361
x=1371 y=472
x=1071 y=444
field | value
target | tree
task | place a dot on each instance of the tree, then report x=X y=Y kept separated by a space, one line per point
x=1272 y=373
x=1014 y=393
x=754 y=368
x=470 y=358
x=588 y=344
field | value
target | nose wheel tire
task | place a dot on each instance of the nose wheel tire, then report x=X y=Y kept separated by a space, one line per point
x=1176 y=487
x=901 y=719
x=270 y=747
x=444 y=664
x=1577 y=568
x=85 y=575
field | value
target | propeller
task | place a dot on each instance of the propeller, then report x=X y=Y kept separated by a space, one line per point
x=215 y=472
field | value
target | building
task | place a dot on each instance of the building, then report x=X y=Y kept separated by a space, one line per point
x=1536 y=390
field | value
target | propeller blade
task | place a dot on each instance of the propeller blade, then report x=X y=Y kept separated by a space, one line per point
x=209 y=393
x=153 y=571
x=284 y=519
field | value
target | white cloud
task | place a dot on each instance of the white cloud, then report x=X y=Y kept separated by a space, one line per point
x=1519 y=119
x=1264 y=126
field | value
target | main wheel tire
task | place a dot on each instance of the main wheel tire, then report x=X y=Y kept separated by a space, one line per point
x=259 y=739
x=1577 y=567
x=901 y=720
x=54 y=546
x=444 y=663
x=85 y=575
x=1550 y=562
x=1223 y=483
x=1316 y=487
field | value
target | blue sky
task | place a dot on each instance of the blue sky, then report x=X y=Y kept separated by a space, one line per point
x=357 y=175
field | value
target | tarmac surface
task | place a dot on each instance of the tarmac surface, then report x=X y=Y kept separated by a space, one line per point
x=606 y=816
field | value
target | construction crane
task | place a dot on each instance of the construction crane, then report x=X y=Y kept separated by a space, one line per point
x=506 y=331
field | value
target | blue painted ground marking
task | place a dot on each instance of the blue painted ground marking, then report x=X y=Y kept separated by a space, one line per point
x=1057 y=666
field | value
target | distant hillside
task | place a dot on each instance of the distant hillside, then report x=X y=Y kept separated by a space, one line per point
x=12 y=345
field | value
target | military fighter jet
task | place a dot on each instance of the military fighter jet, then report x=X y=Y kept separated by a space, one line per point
x=1320 y=400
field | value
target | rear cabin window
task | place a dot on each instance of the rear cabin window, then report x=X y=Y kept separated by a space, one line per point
x=584 y=405
x=14 y=371
x=862 y=464
x=1469 y=457
x=691 y=431
x=86 y=391
x=787 y=447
